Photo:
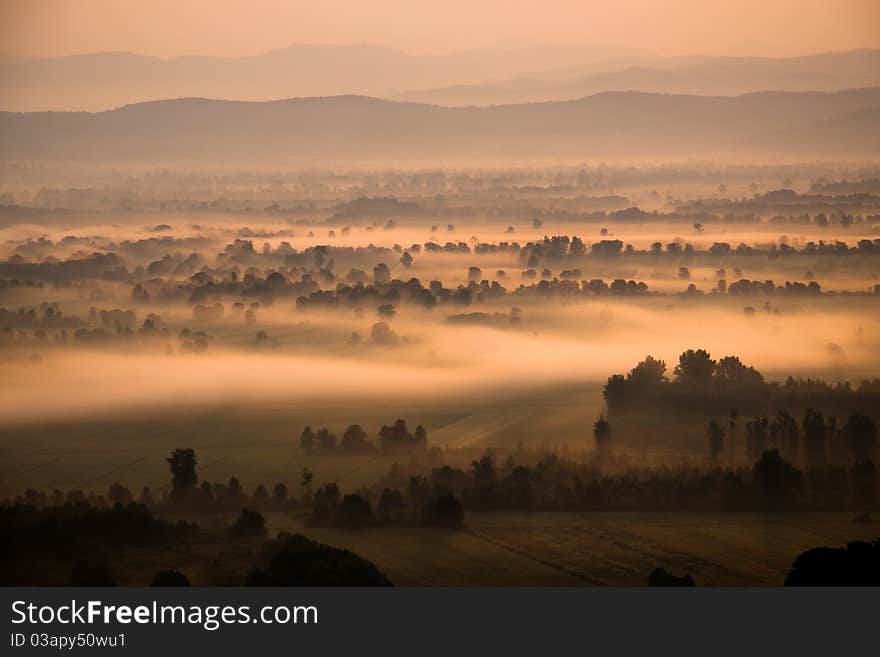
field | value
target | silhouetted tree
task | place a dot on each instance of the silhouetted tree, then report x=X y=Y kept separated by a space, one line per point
x=864 y=476
x=307 y=440
x=778 y=481
x=730 y=370
x=484 y=470
x=326 y=440
x=182 y=464
x=648 y=374
x=93 y=570
x=815 y=438
x=279 y=495
x=355 y=439
x=419 y=489
x=294 y=560
x=353 y=512
x=858 y=564
x=306 y=482
x=694 y=366
x=861 y=433
x=659 y=577
x=248 y=524
x=170 y=578
x=444 y=511
x=602 y=436
x=390 y=500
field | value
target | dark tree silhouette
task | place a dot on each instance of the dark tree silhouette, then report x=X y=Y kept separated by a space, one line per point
x=390 y=500
x=294 y=560
x=730 y=370
x=306 y=482
x=858 y=564
x=93 y=570
x=279 y=495
x=326 y=440
x=484 y=470
x=355 y=439
x=602 y=436
x=648 y=374
x=248 y=524
x=444 y=511
x=353 y=512
x=694 y=366
x=170 y=578
x=778 y=480
x=659 y=577
x=864 y=478
x=307 y=440
x=815 y=438
x=182 y=463
x=861 y=433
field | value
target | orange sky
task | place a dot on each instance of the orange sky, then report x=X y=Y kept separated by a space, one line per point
x=236 y=27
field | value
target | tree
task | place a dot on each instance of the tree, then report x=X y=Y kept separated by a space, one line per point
x=391 y=500
x=715 y=431
x=815 y=437
x=857 y=564
x=306 y=481
x=353 y=512
x=307 y=440
x=326 y=440
x=731 y=370
x=93 y=570
x=864 y=478
x=279 y=494
x=861 y=433
x=602 y=436
x=444 y=511
x=616 y=392
x=396 y=436
x=777 y=479
x=294 y=560
x=649 y=373
x=484 y=470
x=381 y=273
x=182 y=463
x=170 y=578
x=355 y=439
x=248 y=524
x=659 y=577
x=694 y=366
x=418 y=489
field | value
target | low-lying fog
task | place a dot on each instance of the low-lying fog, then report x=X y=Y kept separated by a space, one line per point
x=310 y=360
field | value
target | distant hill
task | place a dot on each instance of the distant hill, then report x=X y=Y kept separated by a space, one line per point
x=679 y=75
x=841 y=124
x=99 y=81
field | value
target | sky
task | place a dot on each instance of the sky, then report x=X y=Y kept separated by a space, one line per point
x=168 y=28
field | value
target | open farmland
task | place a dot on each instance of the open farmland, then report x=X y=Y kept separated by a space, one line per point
x=601 y=549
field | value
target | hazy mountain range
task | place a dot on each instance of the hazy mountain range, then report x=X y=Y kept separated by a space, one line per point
x=101 y=81
x=677 y=75
x=106 y=80
x=774 y=124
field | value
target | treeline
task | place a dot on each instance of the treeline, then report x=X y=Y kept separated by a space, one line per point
x=76 y=544
x=701 y=384
x=558 y=483
x=394 y=438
